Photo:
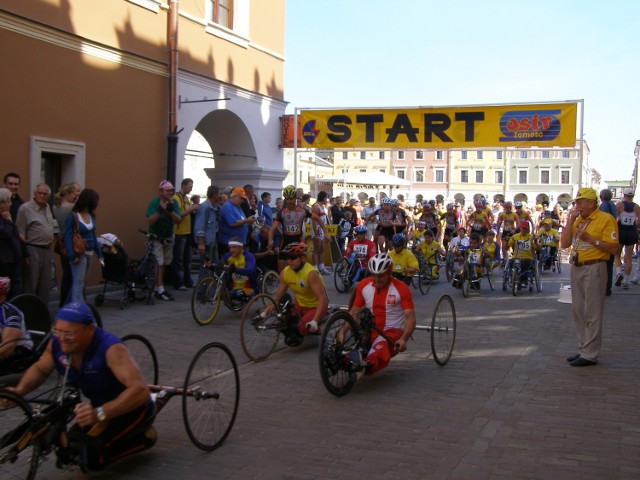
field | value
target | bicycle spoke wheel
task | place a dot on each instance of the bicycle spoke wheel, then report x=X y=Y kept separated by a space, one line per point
x=259 y=334
x=145 y=356
x=505 y=279
x=211 y=398
x=340 y=278
x=425 y=281
x=538 y=277
x=466 y=283
x=443 y=330
x=205 y=301
x=19 y=457
x=270 y=281
x=151 y=272
x=491 y=278
x=339 y=338
x=449 y=268
x=515 y=280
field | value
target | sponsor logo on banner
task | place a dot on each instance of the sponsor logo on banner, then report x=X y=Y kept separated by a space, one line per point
x=310 y=132
x=528 y=125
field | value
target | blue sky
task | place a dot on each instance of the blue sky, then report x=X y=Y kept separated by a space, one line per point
x=368 y=53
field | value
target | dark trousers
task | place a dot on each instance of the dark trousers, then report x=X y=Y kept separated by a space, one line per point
x=182 y=261
x=610 y=273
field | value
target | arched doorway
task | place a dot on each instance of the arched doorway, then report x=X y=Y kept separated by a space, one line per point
x=564 y=200
x=520 y=197
x=477 y=196
x=542 y=198
x=498 y=198
x=459 y=198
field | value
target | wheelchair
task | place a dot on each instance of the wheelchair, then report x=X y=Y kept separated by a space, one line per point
x=516 y=278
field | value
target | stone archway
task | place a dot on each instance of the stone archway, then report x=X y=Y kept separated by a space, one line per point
x=520 y=197
x=459 y=198
x=542 y=198
x=498 y=198
x=565 y=200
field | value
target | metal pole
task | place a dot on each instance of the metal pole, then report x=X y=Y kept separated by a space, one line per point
x=295 y=147
x=172 y=137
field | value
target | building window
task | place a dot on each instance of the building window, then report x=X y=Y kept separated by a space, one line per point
x=345 y=155
x=400 y=174
x=544 y=177
x=363 y=155
x=479 y=154
x=439 y=154
x=499 y=155
x=382 y=170
x=522 y=176
x=419 y=155
x=523 y=154
x=479 y=176
x=222 y=12
x=401 y=155
x=566 y=154
x=464 y=155
x=545 y=153
x=418 y=176
x=381 y=155
x=464 y=176
x=565 y=177
x=498 y=176
x=345 y=170
x=439 y=176
x=363 y=170
x=56 y=162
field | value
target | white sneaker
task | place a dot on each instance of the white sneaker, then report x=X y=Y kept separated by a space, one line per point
x=312 y=326
x=634 y=281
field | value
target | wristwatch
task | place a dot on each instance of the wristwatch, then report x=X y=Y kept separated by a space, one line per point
x=597 y=243
x=100 y=414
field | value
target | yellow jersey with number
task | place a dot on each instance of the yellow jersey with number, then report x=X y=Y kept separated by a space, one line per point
x=298 y=282
x=403 y=260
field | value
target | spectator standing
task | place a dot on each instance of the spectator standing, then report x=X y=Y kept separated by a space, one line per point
x=371 y=225
x=35 y=225
x=206 y=226
x=279 y=205
x=628 y=214
x=233 y=222
x=264 y=209
x=162 y=213
x=12 y=250
x=608 y=206
x=337 y=210
x=12 y=182
x=345 y=231
x=321 y=209
x=249 y=202
x=83 y=221
x=593 y=235
x=15 y=340
x=181 y=263
x=63 y=203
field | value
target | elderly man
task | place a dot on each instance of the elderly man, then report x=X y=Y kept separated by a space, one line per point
x=233 y=222
x=162 y=213
x=35 y=225
x=593 y=235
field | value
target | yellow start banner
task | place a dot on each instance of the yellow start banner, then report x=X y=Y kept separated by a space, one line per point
x=524 y=125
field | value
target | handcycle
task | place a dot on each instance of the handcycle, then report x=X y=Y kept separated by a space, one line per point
x=33 y=428
x=513 y=273
x=343 y=275
x=260 y=331
x=137 y=276
x=212 y=289
x=554 y=260
x=424 y=278
x=343 y=336
x=488 y=268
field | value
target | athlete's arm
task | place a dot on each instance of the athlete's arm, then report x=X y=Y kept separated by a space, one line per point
x=318 y=289
x=409 y=327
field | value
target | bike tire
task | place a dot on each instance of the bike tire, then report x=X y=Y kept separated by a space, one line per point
x=505 y=279
x=270 y=282
x=259 y=335
x=491 y=278
x=144 y=355
x=538 y=277
x=515 y=280
x=205 y=301
x=339 y=278
x=449 y=269
x=336 y=379
x=211 y=396
x=443 y=330
x=466 y=282
x=425 y=281
x=150 y=272
x=16 y=423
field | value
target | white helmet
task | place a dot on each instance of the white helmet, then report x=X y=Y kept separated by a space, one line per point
x=386 y=200
x=379 y=263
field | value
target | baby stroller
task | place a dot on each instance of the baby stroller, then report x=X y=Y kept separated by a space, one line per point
x=136 y=276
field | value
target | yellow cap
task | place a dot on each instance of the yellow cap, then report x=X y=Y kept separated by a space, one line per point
x=588 y=193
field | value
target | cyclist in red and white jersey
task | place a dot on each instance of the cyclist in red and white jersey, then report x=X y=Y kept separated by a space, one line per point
x=391 y=303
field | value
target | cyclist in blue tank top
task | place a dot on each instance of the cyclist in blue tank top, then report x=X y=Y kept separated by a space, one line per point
x=117 y=416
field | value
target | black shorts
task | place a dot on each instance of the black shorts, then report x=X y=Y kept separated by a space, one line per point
x=507 y=235
x=628 y=236
x=388 y=232
x=287 y=239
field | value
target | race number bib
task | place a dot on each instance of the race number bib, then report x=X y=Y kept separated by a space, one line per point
x=628 y=219
x=360 y=250
x=292 y=229
x=524 y=245
x=474 y=258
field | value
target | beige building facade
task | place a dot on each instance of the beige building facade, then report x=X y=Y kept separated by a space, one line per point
x=98 y=91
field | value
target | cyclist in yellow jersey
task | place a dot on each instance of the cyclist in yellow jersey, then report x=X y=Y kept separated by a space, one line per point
x=548 y=239
x=405 y=264
x=523 y=215
x=429 y=249
x=242 y=269
x=524 y=248
x=508 y=220
x=490 y=250
x=311 y=302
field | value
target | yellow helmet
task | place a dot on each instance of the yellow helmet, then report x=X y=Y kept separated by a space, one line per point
x=289 y=192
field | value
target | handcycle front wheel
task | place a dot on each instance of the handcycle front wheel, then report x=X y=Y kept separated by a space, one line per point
x=19 y=455
x=466 y=282
x=425 y=280
x=491 y=279
x=443 y=330
x=341 y=277
x=259 y=332
x=538 y=271
x=205 y=301
x=270 y=281
x=145 y=356
x=211 y=396
x=339 y=337
x=515 y=280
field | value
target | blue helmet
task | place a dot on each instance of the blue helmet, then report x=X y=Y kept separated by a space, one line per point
x=360 y=229
x=398 y=239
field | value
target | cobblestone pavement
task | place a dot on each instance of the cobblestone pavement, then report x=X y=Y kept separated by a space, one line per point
x=507 y=405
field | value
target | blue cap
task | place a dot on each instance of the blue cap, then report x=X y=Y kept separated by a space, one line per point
x=77 y=312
